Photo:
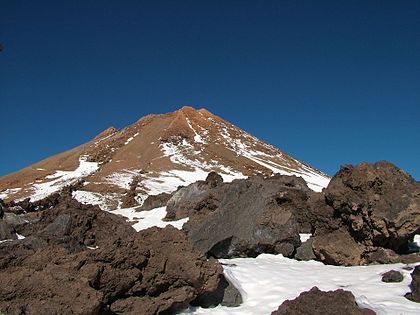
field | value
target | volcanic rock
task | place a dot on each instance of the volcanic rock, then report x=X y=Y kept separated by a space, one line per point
x=317 y=302
x=197 y=199
x=338 y=248
x=2 y=206
x=72 y=224
x=214 y=179
x=379 y=203
x=239 y=224
x=6 y=231
x=305 y=251
x=78 y=259
x=155 y=201
x=414 y=295
x=392 y=276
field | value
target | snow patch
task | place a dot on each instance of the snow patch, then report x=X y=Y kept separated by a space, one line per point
x=304 y=237
x=88 y=197
x=314 y=180
x=64 y=178
x=197 y=137
x=148 y=219
x=9 y=191
x=167 y=182
x=268 y=280
x=122 y=179
x=20 y=237
x=131 y=138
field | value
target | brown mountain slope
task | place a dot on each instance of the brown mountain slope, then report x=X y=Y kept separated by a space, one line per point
x=155 y=154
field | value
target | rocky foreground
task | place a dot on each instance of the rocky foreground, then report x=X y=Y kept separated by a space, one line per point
x=78 y=259
x=367 y=214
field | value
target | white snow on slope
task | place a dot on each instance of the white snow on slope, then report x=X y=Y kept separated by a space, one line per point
x=6 y=192
x=147 y=219
x=171 y=180
x=63 y=178
x=131 y=138
x=88 y=197
x=315 y=181
x=268 y=280
x=197 y=137
x=122 y=179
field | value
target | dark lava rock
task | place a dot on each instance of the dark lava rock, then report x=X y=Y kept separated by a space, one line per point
x=2 y=206
x=74 y=224
x=6 y=231
x=18 y=222
x=197 y=199
x=129 y=199
x=226 y=295
x=246 y=217
x=155 y=201
x=213 y=179
x=15 y=210
x=53 y=271
x=392 y=276
x=317 y=302
x=305 y=251
x=379 y=203
x=414 y=295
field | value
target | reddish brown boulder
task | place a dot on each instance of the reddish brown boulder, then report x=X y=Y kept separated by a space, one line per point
x=53 y=271
x=317 y=302
x=338 y=248
x=379 y=203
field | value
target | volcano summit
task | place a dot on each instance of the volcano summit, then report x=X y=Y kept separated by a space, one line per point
x=155 y=155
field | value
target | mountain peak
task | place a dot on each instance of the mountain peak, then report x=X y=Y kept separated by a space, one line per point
x=156 y=154
x=187 y=109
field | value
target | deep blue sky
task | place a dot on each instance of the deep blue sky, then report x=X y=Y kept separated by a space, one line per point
x=329 y=82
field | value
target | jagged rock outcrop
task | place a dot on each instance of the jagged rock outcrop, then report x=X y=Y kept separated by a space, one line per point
x=2 y=206
x=7 y=232
x=317 y=302
x=78 y=259
x=379 y=203
x=374 y=213
x=414 y=295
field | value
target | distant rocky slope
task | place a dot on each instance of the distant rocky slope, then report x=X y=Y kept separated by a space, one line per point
x=155 y=155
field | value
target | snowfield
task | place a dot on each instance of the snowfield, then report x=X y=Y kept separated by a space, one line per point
x=267 y=281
